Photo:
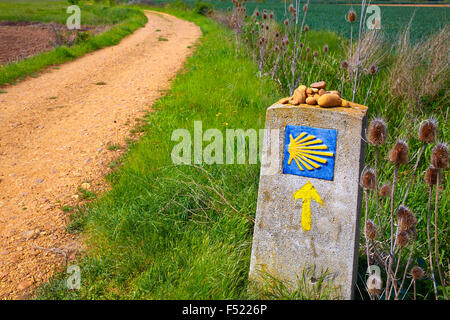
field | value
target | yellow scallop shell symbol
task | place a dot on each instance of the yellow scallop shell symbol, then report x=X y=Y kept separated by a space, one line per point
x=305 y=150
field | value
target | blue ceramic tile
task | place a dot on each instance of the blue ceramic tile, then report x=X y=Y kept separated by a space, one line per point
x=312 y=152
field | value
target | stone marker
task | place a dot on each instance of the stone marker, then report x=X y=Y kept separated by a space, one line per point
x=309 y=199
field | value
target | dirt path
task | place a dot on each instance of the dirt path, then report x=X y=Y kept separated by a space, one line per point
x=54 y=136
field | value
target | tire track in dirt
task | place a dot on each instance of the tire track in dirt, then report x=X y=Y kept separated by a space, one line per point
x=54 y=136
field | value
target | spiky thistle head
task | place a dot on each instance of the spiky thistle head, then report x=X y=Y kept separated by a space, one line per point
x=417 y=273
x=351 y=16
x=306 y=28
x=325 y=48
x=344 y=64
x=286 y=22
x=399 y=153
x=377 y=132
x=386 y=190
x=406 y=219
x=315 y=53
x=291 y=8
x=370 y=230
x=373 y=70
x=305 y=7
x=431 y=176
x=368 y=178
x=402 y=239
x=439 y=156
x=428 y=130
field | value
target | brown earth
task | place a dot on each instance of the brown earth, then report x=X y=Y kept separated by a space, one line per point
x=19 y=40
x=54 y=136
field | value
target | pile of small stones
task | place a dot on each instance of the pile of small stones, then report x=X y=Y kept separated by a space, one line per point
x=316 y=94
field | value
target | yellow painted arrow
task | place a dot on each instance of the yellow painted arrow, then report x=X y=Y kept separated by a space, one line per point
x=306 y=193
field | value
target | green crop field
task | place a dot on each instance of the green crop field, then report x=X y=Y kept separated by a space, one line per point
x=331 y=17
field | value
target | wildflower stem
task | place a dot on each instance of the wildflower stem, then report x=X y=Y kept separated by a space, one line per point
x=376 y=192
x=409 y=287
x=394 y=181
x=366 y=198
x=368 y=91
x=406 y=268
x=430 y=194
x=413 y=173
x=351 y=42
x=436 y=251
x=363 y=7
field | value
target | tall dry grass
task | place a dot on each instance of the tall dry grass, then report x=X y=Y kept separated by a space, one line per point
x=420 y=70
x=373 y=51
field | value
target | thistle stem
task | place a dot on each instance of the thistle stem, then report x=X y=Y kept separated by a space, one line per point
x=414 y=284
x=409 y=287
x=436 y=251
x=394 y=181
x=430 y=194
x=376 y=192
x=366 y=197
x=363 y=7
x=368 y=91
x=406 y=268
x=413 y=173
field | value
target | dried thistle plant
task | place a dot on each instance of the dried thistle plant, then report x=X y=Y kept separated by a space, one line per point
x=439 y=160
x=389 y=252
x=237 y=21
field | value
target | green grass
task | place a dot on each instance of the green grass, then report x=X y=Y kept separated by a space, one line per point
x=162 y=232
x=124 y=21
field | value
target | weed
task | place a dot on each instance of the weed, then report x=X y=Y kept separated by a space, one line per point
x=67 y=209
x=114 y=147
x=86 y=194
